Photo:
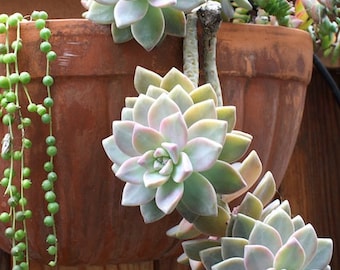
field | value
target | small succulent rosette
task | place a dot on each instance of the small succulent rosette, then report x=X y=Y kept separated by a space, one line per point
x=146 y=21
x=176 y=149
x=260 y=237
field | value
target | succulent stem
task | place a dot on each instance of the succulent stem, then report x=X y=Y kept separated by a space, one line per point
x=190 y=50
x=210 y=18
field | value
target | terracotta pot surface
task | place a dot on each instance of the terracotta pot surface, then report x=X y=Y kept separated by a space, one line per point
x=92 y=227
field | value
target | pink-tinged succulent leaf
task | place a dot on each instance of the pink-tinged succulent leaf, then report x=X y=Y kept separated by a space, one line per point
x=145 y=139
x=210 y=256
x=129 y=12
x=224 y=178
x=213 y=225
x=113 y=151
x=147 y=160
x=141 y=109
x=233 y=247
x=154 y=179
x=232 y=264
x=227 y=113
x=266 y=188
x=135 y=195
x=203 y=153
x=184 y=230
x=120 y=35
x=235 y=146
x=265 y=235
x=195 y=265
x=281 y=222
x=122 y=131
x=187 y=6
x=175 y=77
x=204 y=92
x=167 y=168
x=173 y=151
x=290 y=256
x=323 y=254
x=131 y=171
x=168 y=196
x=192 y=248
x=199 y=111
x=308 y=240
x=251 y=206
x=174 y=22
x=155 y=91
x=127 y=114
x=144 y=78
x=160 y=109
x=150 y=212
x=298 y=222
x=149 y=30
x=183 y=168
x=174 y=130
x=242 y=227
x=181 y=98
x=99 y=13
x=162 y=3
x=212 y=129
x=258 y=257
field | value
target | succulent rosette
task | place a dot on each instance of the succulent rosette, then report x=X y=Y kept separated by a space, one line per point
x=174 y=148
x=147 y=21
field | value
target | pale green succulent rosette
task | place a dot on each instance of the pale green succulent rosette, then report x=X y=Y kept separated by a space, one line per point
x=176 y=149
x=146 y=21
x=262 y=238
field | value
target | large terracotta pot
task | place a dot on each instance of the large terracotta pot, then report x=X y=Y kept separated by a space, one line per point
x=92 y=77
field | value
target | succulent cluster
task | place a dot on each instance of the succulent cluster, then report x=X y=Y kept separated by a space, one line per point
x=262 y=237
x=172 y=146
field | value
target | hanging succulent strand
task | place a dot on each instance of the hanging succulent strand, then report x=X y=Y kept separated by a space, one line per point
x=210 y=18
x=190 y=50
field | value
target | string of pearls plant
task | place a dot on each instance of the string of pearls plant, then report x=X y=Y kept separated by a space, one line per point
x=16 y=117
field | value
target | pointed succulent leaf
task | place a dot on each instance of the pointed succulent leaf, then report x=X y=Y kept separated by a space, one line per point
x=186 y=212
x=150 y=212
x=131 y=171
x=145 y=138
x=134 y=195
x=286 y=207
x=204 y=92
x=290 y=256
x=175 y=77
x=233 y=247
x=202 y=153
x=231 y=180
x=155 y=91
x=265 y=235
x=192 y=248
x=173 y=151
x=154 y=179
x=242 y=226
x=232 y=264
x=213 y=225
x=99 y=13
x=161 y=108
x=168 y=196
x=181 y=98
x=212 y=129
x=251 y=206
x=141 y=108
x=183 y=168
x=199 y=111
x=210 y=256
x=269 y=208
x=107 y=2
x=235 y=147
x=144 y=78
x=122 y=131
x=298 y=222
x=127 y=114
x=113 y=151
x=120 y=35
x=266 y=188
x=199 y=195
x=162 y=3
x=281 y=222
x=130 y=102
x=174 y=130
x=257 y=257
x=149 y=30
x=227 y=113
x=187 y=6
x=323 y=254
x=174 y=22
x=184 y=230
x=129 y=12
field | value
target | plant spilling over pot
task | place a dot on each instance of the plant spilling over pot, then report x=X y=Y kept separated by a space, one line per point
x=18 y=112
x=148 y=22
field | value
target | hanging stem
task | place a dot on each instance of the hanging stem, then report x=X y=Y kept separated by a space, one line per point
x=210 y=18
x=190 y=50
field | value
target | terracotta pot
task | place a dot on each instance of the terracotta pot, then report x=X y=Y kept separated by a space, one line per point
x=92 y=77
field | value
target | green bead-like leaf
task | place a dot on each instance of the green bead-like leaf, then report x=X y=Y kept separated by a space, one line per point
x=144 y=78
x=192 y=248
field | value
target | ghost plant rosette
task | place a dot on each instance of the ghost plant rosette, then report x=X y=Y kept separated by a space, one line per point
x=174 y=148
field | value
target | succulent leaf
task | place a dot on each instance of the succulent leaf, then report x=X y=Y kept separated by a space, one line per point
x=323 y=254
x=187 y=6
x=233 y=247
x=120 y=35
x=168 y=196
x=175 y=130
x=145 y=138
x=192 y=248
x=175 y=77
x=266 y=188
x=290 y=256
x=113 y=151
x=130 y=171
x=212 y=129
x=257 y=257
x=181 y=97
x=210 y=256
x=128 y=12
x=203 y=93
x=150 y=212
x=251 y=206
x=100 y=13
x=134 y=195
x=232 y=264
x=162 y=3
x=175 y=22
x=122 y=131
x=227 y=113
x=141 y=109
x=242 y=226
x=144 y=78
x=199 y=111
x=184 y=230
